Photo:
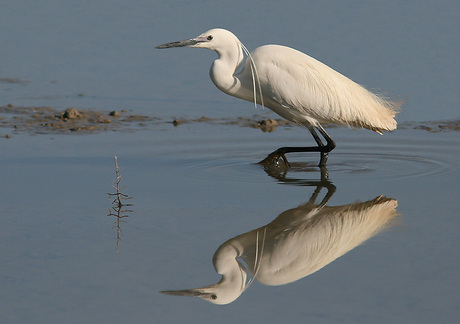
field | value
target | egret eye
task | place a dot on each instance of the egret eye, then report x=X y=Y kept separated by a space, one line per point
x=213 y=296
x=209 y=37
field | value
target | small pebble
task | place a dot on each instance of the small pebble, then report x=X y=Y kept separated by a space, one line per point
x=71 y=113
x=177 y=122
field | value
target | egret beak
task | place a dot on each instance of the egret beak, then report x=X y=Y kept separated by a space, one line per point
x=183 y=43
x=190 y=293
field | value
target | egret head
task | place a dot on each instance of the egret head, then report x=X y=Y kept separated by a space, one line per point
x=215 y=294
x=214 y=39
x=231 y=285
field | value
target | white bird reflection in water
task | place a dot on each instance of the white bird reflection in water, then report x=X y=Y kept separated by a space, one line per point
x=299 y=242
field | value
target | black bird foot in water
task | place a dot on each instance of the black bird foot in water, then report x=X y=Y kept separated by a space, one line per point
x=275 y=159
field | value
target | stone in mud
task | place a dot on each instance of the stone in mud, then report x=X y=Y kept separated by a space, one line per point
x=71 y=113
x=114 y=113
x=177 y=122
x=268 y=125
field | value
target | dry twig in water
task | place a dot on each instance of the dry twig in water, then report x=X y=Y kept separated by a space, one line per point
x=118 y=209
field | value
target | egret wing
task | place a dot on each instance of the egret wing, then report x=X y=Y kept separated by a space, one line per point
x=309 y=91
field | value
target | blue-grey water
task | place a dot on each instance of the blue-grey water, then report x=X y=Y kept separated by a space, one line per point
x=195 y=186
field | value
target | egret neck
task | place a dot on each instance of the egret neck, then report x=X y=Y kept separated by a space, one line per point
x=224 y=69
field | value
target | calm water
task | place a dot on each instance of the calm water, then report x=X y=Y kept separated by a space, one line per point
x=196 y=186
x=193 y=188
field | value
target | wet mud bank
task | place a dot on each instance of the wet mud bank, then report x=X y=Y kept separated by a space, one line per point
x=48 y=120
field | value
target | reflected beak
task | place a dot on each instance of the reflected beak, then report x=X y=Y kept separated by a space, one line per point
x=189 y=293
x=183 y=43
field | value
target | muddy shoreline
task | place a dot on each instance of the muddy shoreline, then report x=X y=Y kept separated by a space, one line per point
x=49 y=120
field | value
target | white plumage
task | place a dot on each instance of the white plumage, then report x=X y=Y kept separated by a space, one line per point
x=295 y=86
x=311 y=92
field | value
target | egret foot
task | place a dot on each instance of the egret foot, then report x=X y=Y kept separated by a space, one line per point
x=275 y=159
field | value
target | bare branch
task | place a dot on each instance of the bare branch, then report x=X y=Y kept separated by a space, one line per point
x=118 y=204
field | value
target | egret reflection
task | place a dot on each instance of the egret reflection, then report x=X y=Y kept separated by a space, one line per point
x=299 y=242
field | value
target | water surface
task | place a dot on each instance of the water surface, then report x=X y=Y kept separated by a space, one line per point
x=193 y=188
x=196 y=186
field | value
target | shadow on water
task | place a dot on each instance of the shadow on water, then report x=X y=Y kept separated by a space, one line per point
x=297 y=243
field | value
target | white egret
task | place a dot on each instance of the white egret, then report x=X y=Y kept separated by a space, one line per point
x=299 y=242
x=295 y=86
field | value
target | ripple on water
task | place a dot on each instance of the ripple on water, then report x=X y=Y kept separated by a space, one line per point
x=372 y=167
x=411 y=157
x=384 y=167
x=233 y=169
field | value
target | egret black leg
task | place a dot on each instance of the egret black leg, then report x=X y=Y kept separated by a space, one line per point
x=325 y=149
x=323 y=155
x=322 y=148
